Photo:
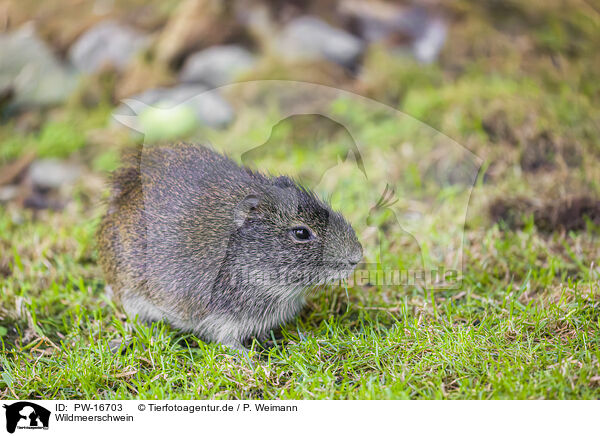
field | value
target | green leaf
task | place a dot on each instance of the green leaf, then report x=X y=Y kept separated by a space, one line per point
x=7 y=379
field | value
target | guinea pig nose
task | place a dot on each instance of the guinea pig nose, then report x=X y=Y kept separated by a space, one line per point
x=355 y=257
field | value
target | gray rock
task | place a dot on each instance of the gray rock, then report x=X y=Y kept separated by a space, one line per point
x=217 y=66
x=311 y=38
x=427 y=33
x=8 y=193
x=427 y=46
x=53 y=173
x=30 y=69
x=107 y=43
x=208 y=106
x=423 y=32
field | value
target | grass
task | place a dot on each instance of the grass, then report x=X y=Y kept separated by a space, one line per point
x=492 y=340
x=524 y=324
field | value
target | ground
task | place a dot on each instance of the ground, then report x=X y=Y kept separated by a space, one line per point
x=524 y=324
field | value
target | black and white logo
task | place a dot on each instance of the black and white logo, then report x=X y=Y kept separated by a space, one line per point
x=26 y=415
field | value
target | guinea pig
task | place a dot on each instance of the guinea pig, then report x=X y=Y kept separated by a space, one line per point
x=192 y=238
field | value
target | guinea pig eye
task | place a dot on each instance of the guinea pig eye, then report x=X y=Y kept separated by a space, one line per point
x=301 y=234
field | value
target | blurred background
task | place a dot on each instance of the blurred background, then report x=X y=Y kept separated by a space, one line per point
x=514 y=83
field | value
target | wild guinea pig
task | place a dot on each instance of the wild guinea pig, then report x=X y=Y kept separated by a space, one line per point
x=214 y=248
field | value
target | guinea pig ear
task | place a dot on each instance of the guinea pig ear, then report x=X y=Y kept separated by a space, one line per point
x=244 y=209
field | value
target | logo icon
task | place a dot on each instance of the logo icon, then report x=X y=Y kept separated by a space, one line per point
x=26 y=415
